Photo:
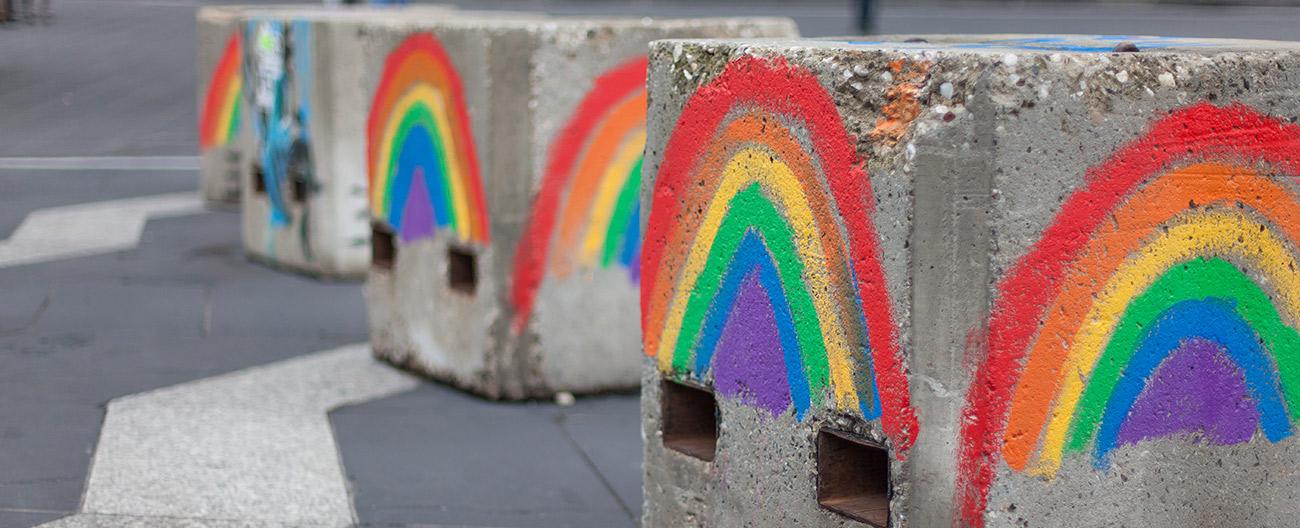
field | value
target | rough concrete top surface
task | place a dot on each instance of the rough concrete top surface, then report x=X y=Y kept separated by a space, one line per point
x=233 y=10
x=494 y=17
x=1019 y=43
x=537 y=21
x=505 y=19
x=324 y=13
x=667 y=22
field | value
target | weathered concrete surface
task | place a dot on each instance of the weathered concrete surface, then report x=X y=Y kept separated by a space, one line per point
x=1020 y=185
x=1099 y=160
x=548 y=311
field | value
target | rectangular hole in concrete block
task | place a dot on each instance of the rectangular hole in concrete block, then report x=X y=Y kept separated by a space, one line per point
x=383 y=251
x=298 y=189
x=259 y=184
x=462 y=271
x=690 y=420
x=853 y=477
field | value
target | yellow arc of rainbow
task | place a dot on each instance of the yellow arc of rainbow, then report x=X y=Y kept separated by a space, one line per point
x=1197 y=234
x=230 y=107
x=753 y=164
x=616 y=174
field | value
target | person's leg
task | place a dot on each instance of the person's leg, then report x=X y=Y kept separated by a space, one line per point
x=866 y=16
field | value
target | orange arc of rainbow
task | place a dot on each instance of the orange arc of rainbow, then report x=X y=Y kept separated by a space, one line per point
x=220 y=106
x=1142 y=214
x=609 y=136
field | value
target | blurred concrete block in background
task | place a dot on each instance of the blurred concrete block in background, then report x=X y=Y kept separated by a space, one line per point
x=1001 y=280
x=504 y=161
x=220 y=100
x=224 y=127
x=304 y=199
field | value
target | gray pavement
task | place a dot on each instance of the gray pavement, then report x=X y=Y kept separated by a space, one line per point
x=116 y=78
x=184 y=305
x=413 y=460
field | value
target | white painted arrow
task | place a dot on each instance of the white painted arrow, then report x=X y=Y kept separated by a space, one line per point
x=91 y=228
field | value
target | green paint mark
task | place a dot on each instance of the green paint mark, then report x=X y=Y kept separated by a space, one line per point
x=750 y=208
x=234 y=117
x=617 y=230
x=420 y=114
x=1194 y=279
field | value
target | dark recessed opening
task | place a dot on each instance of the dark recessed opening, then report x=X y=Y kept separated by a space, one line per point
x=690 y=420
x=853 y=477
x=300 y=186
x=382 y=249
x=462 y=271
x=298 y=189
x=259 y=185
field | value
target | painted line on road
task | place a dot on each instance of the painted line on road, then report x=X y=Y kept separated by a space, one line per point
x=135 y=163
x=90 y=228
x=249 y=448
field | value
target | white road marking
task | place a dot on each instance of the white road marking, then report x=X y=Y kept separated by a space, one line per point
x=135 y=163
x=91 y=228
x=249 y=448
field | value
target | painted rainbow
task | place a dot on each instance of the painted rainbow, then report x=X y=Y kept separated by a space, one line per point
x=219 y=117
x=588 y=209
x=761 y=260
x=423 y=167
x=1168 y=303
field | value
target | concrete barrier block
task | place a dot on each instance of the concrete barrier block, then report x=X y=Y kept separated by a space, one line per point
x=506 y=244
x=1032 y=269
x=305 y=205
x=220 y=86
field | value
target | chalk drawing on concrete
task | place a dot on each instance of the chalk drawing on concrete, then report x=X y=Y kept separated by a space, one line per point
x=281 y=99
x=761 y=262
x=219 y=117
x=1161 y=302
x=587 y=212
x=423 y=166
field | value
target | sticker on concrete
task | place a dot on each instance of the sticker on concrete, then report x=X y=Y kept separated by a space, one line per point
x=1162 y=302
x=281 y=101
x=588 y=213
x=219 y=121
x=761 y=262
x=423 y=166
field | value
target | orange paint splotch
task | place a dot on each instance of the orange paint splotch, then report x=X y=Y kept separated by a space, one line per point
x=903 y=107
